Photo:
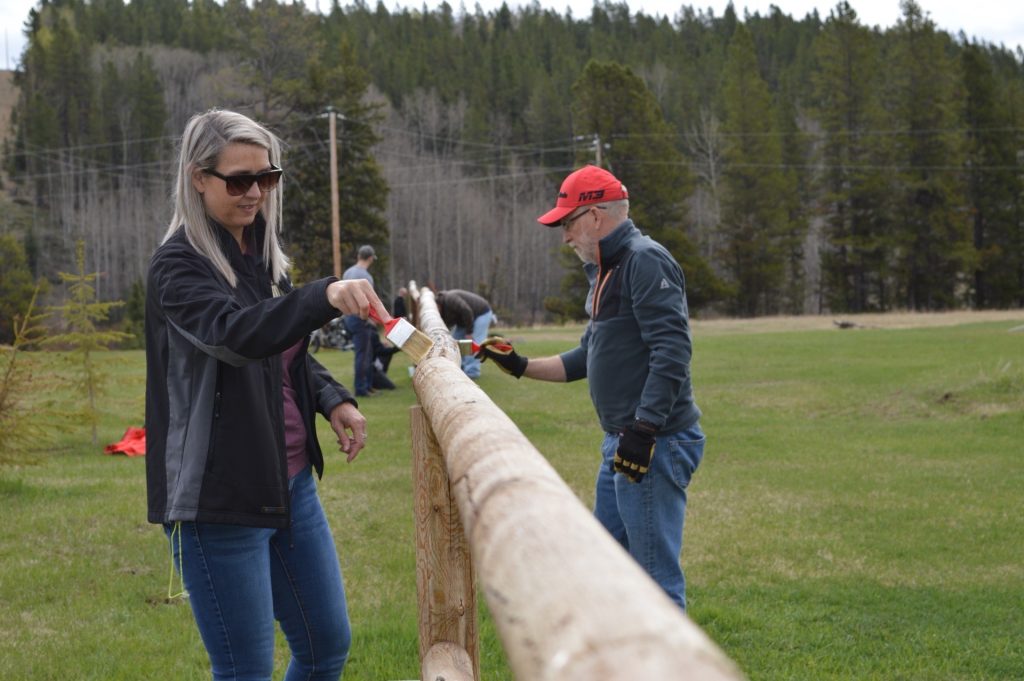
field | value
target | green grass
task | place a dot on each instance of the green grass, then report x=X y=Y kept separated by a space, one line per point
x=858 y=514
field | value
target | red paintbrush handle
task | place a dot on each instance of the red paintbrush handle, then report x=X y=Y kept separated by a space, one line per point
x=372 y=314
x=501 y=347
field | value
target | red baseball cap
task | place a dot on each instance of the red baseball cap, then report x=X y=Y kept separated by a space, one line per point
x=587 y=185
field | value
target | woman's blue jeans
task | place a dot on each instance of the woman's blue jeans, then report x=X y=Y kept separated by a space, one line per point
x=241 y=579
x=647 y=517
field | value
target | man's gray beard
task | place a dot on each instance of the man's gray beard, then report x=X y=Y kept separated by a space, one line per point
x=583 y=258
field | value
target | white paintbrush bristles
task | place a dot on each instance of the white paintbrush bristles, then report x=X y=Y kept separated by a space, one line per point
x=410 y=340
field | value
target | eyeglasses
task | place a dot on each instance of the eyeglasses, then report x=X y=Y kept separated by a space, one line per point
x=241 y=183
x=567 y=223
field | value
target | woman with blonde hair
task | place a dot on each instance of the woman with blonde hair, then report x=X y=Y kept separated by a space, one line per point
x=231 y=400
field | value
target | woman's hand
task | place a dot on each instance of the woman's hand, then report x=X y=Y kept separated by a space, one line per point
x=350 y=427
x=356 y=296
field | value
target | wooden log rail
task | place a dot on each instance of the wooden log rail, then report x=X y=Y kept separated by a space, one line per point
x=568 y=602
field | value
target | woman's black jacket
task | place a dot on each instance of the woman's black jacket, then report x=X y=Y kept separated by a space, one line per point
x=214 y=408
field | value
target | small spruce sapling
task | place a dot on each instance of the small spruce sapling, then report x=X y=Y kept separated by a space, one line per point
x=81 y=314
x=18 y=430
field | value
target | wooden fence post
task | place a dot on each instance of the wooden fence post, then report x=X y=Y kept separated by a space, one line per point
x=444 y=571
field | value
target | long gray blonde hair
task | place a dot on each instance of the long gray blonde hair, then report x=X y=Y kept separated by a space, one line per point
x=205 y=136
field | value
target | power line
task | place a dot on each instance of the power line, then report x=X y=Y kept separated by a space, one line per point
x=103 y=145
x=529 y=149
x=480 y=156
x=477 y=180
x=892 y=132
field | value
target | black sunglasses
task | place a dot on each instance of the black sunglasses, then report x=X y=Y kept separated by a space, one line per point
x=241 y=183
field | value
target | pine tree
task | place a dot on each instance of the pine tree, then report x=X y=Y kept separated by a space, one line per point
x=1015 y=105
x=148 y=113
x=81 y=314
x=276 y=43
x=135 y=315
x=16 y=285
x=932 y=246
x=755 y=222
x=204 y=27
x=611 y=104
x=993 y=183
x=342 y=84
x=18 y=427
x=855 y=180
x=797 y=179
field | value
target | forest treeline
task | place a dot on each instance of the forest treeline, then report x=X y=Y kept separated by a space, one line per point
x=792 y=165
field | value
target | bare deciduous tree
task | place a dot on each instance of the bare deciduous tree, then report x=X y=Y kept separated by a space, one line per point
x=705 y=144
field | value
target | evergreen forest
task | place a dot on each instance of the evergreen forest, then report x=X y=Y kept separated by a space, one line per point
x=791 y=164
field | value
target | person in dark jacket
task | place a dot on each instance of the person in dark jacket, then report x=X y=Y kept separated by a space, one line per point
x=398 y=307
x=231 y=399
x=467 y=315
x=635 y=353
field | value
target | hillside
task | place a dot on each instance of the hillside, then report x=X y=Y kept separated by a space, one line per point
x=777 y=160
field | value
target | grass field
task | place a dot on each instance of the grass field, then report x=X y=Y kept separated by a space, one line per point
x=859 y=513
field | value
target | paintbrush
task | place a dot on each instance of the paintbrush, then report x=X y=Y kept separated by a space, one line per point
x=404 y=336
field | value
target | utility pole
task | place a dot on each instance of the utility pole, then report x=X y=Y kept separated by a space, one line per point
x=335 y=204
x=595 y=145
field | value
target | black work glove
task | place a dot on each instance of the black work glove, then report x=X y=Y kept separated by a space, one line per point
x=636 y=449
x=504 y=355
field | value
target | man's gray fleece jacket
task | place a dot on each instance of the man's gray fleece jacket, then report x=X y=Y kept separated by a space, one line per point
x=636 y=349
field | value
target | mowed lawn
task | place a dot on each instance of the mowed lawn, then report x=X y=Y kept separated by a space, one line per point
x=859 y=513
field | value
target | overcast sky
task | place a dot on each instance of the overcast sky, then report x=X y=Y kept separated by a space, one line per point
x=994 y=21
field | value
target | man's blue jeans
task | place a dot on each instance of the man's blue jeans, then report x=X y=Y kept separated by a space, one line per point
x=470 y=364
x=647 y=517
x=362 y=340
x=240 y=579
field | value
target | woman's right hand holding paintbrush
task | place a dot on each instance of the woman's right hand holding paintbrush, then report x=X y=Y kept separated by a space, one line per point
x=356 y=296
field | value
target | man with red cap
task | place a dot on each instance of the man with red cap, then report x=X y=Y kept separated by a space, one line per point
x=635 y=353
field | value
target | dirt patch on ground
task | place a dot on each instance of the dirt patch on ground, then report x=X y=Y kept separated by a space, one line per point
x=888 y=320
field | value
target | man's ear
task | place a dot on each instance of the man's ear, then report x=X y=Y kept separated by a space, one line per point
x=198 y=179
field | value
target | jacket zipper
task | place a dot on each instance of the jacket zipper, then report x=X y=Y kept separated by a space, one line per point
x=602 y=280
x=210 y=450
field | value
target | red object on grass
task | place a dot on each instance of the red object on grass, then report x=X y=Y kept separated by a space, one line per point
x=132 y=444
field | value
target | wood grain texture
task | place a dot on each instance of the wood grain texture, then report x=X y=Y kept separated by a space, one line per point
x=444 y=571
x=447 y=662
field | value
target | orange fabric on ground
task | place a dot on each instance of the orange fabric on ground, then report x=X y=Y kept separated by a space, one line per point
x=132 y=444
